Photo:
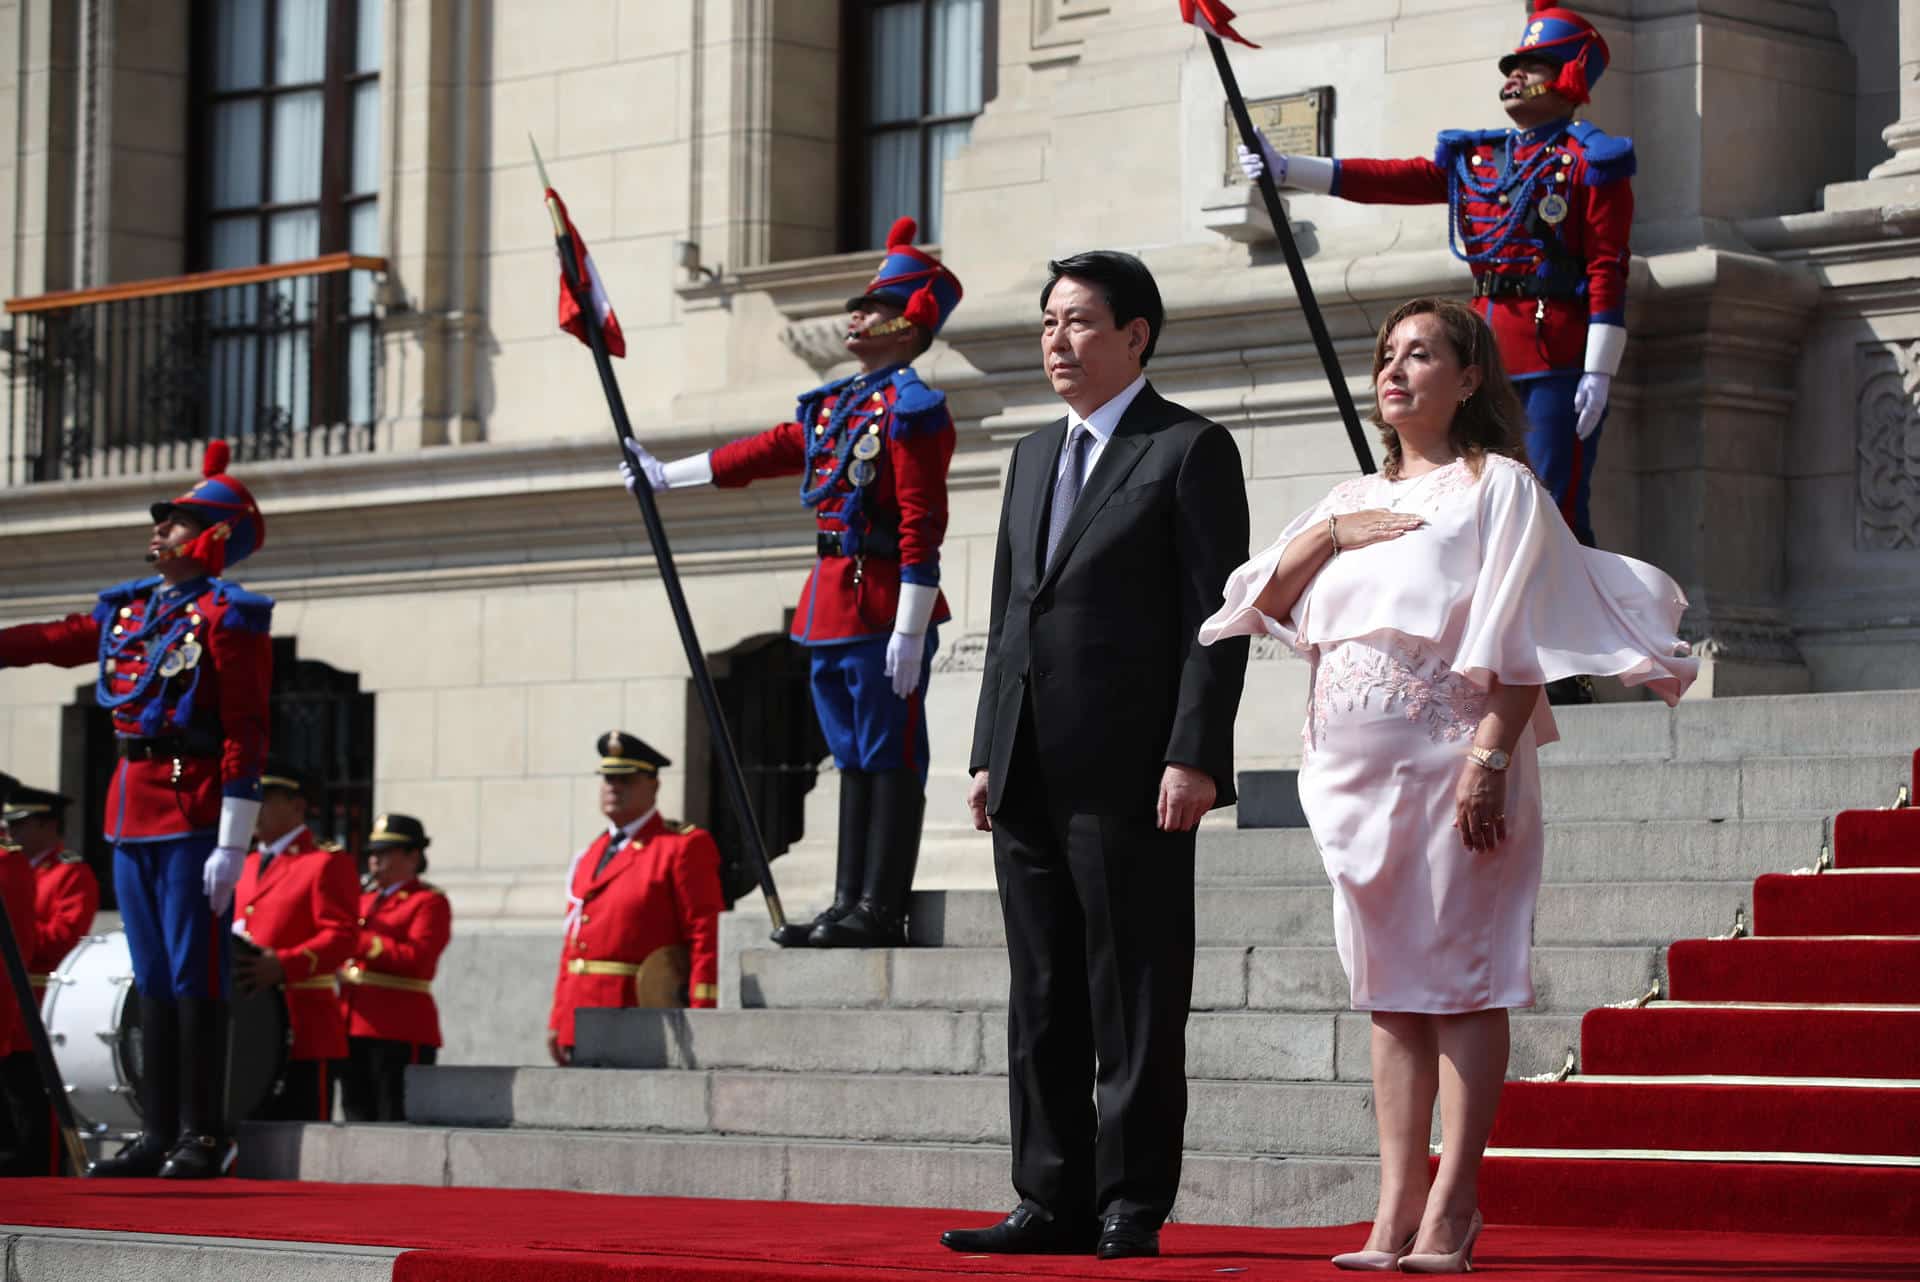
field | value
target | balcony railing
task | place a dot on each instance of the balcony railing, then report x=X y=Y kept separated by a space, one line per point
x=282 y=361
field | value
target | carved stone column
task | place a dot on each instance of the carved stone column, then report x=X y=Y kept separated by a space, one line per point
x=1903 y=135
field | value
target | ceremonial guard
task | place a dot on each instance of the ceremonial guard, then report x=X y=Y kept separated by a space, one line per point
x=387 y=986
x=185 y=668
x=295 y=907
x=26 y=1134
x=872 y=450
x=1542 y=213
x=643 y=902
x=66 y=895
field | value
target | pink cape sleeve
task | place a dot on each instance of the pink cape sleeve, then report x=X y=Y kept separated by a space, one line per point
x=1544 y=607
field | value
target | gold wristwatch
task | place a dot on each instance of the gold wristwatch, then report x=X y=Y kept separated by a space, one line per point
x=1491 y=758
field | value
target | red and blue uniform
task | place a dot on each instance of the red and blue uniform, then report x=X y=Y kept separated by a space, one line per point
x=872 y=537
x=1543 y=217
x=186 y=672
x=1540 y=279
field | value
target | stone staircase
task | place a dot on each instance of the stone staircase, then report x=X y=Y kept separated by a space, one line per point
x=877 y=1076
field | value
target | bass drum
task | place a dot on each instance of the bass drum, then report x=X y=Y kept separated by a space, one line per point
x=95 y=1031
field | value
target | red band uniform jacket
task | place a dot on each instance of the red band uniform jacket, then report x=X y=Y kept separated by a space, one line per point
x=302 y=910
x=66 y=895
x=1578 y=175
x=386 y=986
x=908 y=495
x=660 y=890
x=16 y=901
x=216 y=701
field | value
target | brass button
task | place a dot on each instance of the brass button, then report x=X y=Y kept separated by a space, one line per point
x=363 y=921
x=126 y=612
x=1503 y=197
x=584 y=919
x=1565 y=159
x=117 y=629
x=250 y=908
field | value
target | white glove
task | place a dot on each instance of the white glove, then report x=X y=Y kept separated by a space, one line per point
x=640 y=463
x=1590 y=402
x=907 y=647
x=904 y=653
x=1299 y=173
x=220 y=874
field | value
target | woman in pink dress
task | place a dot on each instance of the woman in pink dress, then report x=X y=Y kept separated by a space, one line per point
x=1434 y=600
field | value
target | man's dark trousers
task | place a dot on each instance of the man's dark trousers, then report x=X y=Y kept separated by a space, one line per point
x=1099 y=913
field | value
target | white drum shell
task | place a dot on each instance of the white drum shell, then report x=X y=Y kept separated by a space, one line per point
x=85 y=1002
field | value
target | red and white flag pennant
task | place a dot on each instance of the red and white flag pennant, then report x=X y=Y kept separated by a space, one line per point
x=572 y=319
x=1214 y=18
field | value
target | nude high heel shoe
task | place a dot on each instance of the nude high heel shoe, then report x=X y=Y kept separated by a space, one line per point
x=1374 y=1261
x=1460 y=1261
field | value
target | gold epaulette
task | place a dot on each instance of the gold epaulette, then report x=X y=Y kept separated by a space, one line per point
x=681 y=826
x=68 y=857
x=332 y=847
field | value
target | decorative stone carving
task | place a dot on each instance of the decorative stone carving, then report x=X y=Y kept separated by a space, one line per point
x=1887 y=411
x=820 y=343
x=967 y=654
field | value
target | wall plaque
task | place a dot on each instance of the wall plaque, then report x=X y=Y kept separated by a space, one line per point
x=1297 y=124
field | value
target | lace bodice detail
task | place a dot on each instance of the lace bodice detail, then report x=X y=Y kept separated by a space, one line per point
x=1400 y=675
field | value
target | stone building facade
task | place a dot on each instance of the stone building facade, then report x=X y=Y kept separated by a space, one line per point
x=478 y=571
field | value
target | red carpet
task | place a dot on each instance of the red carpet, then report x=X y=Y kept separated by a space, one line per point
x=1877 y=838
x=497 y=1235
x=1795 y=970
x=1713 y=1117
x=1718 y=1197
x=1845 y=904
x=1787 y=1042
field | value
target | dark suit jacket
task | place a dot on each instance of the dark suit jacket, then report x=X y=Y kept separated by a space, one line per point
x=1100 y=648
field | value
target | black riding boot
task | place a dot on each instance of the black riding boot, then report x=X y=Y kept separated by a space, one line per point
x=856 y=807
x=879 y=920
x=206 y=1148
x=159 y=1094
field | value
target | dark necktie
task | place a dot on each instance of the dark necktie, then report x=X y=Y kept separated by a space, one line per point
x=1066 y=488
x=614 y=842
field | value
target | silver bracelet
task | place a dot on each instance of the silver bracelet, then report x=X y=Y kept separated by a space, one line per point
x=1333 y=534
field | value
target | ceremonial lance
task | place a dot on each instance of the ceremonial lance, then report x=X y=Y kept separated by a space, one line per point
x=1216 y=20
x=591 y=320
x=50 y=1080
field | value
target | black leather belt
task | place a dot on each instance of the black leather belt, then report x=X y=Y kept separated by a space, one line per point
x=161 y=748
x=1494 y=285
x=884 y=544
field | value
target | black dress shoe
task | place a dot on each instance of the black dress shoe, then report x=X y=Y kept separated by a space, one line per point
x=1028 y=1230
x=1122 y=1237
x=200 y=1157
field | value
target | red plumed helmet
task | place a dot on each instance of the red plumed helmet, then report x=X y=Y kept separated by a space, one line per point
x=1559 y=35
x=234 y=527
x=916 y=282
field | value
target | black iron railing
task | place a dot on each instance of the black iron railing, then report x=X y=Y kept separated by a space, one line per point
x=282 y=361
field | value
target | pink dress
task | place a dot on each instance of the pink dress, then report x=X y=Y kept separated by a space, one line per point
x=1405 y=637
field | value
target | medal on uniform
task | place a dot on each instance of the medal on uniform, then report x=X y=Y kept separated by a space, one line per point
x=1553 y=209
x=189 y=653
x=173 y=665
x=862 y=472
x=867 y=447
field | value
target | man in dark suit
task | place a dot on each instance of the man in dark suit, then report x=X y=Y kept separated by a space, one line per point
x=1105 y=732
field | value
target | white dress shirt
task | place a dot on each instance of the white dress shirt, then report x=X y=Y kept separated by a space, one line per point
x=619 y=837
x=1101 y=423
